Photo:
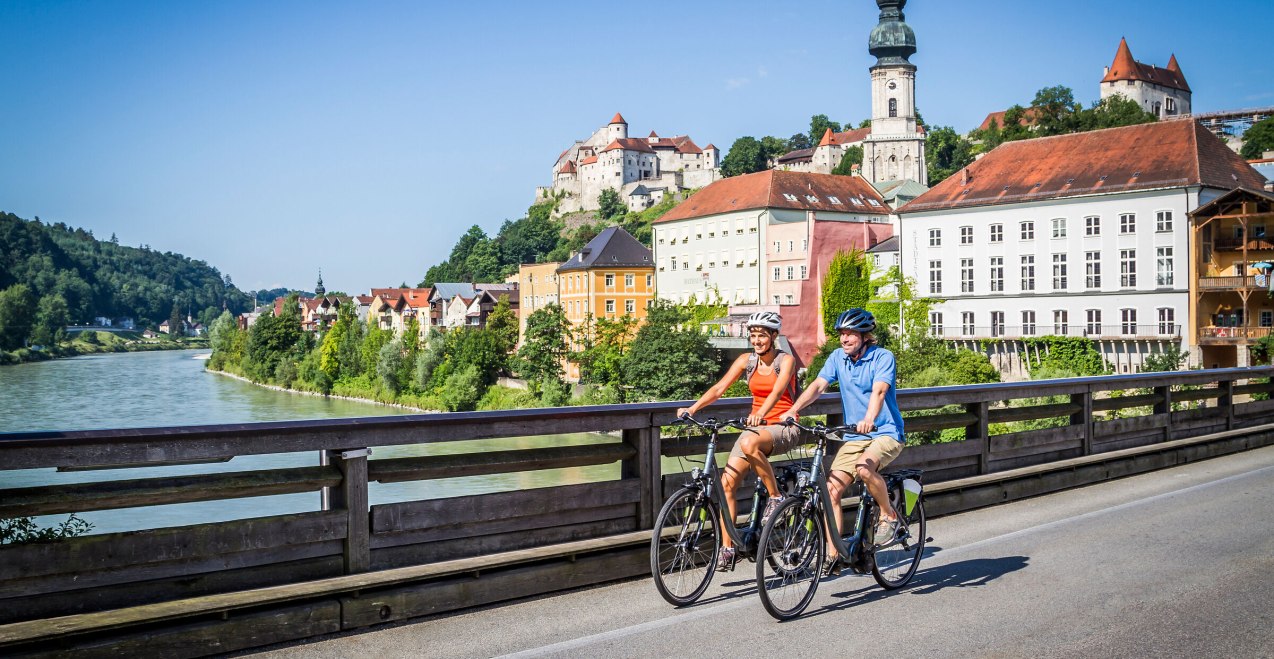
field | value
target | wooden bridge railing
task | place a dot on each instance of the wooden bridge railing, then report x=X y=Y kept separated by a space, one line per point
x=348 y=535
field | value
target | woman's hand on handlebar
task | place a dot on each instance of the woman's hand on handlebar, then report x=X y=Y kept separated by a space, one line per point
x=754 y=420
x=788 y=419
x=683 y=413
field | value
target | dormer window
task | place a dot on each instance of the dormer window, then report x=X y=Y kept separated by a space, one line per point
x=834 y=200
x=789 y=196
x=811 y=198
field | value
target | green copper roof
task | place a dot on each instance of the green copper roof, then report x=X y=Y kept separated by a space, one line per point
x=892 y=40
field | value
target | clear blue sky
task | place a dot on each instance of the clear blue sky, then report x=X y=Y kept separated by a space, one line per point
x=274 y=138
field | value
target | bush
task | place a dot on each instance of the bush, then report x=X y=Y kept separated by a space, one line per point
x=507 y=398
x=286 y=373
x=463 y=389
x=554 y=393
x=22 y=530
x=598 y=395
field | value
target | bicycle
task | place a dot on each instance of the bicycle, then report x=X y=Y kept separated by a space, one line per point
x=793 y=540
x=686 y=540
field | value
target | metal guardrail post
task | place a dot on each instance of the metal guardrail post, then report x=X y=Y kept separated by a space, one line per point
x=644 y=466
x=980 y=430
x=1164 y=406
x=351 y=497
x=1084 y=417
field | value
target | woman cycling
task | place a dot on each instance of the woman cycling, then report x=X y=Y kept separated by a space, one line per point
x=771 y=377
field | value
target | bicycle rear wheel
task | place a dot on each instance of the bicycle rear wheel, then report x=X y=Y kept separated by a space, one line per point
x=895 y=564
x=793 y=549
x=683 y=546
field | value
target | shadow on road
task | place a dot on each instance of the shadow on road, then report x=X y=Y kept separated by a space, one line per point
x=964 y=574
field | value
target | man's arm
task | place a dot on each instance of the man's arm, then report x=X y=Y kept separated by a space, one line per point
x=874 y=405
x=811 y=394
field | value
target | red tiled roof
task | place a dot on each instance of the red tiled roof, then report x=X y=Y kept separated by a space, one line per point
x=1028 y=118
x=1165 y=154
x=364 y=299
x=1126 y=68
x=567 y=167
x=629 y=144
x=618 y=119
x=588 y=161
x=851 y=136
x=710 y=146
x=766 y=190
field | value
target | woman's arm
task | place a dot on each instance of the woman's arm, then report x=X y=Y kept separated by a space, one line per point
x=717 y=390
x=816 y=389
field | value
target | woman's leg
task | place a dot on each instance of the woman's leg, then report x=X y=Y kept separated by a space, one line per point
x=735 y=469
x=757 y=446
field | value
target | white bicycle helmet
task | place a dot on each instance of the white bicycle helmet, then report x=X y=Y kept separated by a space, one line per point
x=767 y=319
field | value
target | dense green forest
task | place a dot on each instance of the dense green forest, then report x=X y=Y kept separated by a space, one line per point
x=53 y=275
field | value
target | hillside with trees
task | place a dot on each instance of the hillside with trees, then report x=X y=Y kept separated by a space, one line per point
x=53 y=275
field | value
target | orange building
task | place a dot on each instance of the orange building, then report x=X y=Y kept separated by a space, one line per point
x=611 y=277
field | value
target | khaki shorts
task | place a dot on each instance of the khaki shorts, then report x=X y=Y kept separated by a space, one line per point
x=785 y=439
x=883 y=450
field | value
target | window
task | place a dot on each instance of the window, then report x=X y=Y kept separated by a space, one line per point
x=935 y=276
x=610 y=306
x=1163 y=266
x=893 y=107
x=791 y=273
x=1128 y=223
x=1059 y=227
x=1128 y=321
x=650 y=281
x=1059 y=272
x=805 y=244
x=1060 y=326
x=811 y=198
x=777 y=272
x=1163 y=221
x=966 y=275
x=630 y=280
x=630 y=306
x=833 y=199
x=789 y=298
x=804 y=271
x=966 y=323
x=1028 y=230
x=935 y=237
x=776 y=299
x=1092 y=225
x=997 y=273
x=610 y=279
x=1127 y=268
x=778 y=246
x=789 y=196
x=1093 y=326
x=1092 y=269
x=935 y=323
x=1028 y=272
x=997 y=233
x=1028 y=323
x=674 y=267
x=997 y=323
x=1267 y=317
x=966 y=235
x=790 y=247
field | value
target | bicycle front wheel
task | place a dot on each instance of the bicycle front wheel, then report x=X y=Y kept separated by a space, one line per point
x=683 y=546
x=790 y=559
x=895 y=564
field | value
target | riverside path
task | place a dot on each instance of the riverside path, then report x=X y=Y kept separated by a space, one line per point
x=1177 y=562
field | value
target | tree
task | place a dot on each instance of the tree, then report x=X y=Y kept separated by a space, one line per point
x=819 y=124
x=946 y=152
x=529 y=238
x=745 y=157
x=798 y=141
x=272 y=339
x=669 y=359
x=17 y=316
x=389 y=362
x=605 y=343
x=846 y=285
x=609 y=205
x=175 y=323
x=544 y=346
x=1055 y=111
x=853 y=156
x=479 y=347
x=1114 y=111
x=502 y=323
x=1170 y=359
x=772 y=147
x=1258 y=139
x=226 y=342
x=430 y=357
x=50 y=321
x=463 y=389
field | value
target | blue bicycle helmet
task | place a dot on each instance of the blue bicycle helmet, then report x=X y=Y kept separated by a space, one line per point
x=857 y=319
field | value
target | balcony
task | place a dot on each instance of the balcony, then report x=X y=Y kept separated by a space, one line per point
x=1254 y=244
x=1212 y=336
x=1232 y=283
x=1120 y=332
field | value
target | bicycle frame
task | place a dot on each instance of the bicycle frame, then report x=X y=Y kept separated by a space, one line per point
x=847 y=548
x=716 y=492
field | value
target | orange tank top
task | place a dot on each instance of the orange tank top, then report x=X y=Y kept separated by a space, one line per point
x=761 y=384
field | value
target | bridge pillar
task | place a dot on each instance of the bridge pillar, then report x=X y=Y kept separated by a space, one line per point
x=1084 y=418
x=646 y=467
x=1225 y=401
x=1164 y=406
x=980 y=430
x=351 y=496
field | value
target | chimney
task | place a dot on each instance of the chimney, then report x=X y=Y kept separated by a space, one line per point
x=964 y=176
x=1105 y=71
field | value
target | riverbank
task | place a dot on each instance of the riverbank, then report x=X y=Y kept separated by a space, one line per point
x=354 y=399
x=104 y=342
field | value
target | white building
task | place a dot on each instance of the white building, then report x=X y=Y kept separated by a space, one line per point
x=611 y=159
x=1162 y=92
x=766 y=238
x=1074 y=235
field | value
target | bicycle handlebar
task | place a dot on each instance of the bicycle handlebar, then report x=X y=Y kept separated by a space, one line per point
x=830 y=432
x=712 y=423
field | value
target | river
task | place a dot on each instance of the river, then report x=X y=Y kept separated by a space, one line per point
x=171 y=388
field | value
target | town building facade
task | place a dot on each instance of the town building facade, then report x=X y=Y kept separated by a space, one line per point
x=1073 y=235
x=538 y=285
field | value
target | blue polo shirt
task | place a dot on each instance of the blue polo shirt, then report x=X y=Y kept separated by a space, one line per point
x=856 y=379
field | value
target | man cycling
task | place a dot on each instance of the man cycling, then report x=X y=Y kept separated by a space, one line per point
x=771 y=377
x=867 y=377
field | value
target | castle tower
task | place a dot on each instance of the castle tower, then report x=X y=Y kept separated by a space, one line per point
x=319 y=291
x=896 y=148
x=618 y=127
x=1162 y=92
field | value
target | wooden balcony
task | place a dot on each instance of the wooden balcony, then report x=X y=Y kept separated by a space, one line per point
x=1227 y=283
x=1212 y=336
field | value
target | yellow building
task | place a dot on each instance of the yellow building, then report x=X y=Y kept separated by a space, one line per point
x=611 y=277
x=537 y=283
x=1232 y=240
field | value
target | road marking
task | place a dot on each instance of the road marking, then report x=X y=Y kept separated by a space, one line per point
x=703 y=612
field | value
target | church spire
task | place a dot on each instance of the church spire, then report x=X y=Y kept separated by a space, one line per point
x=892 y=40
x=319 y=291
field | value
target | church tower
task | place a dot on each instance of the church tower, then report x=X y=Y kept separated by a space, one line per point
x=896 y=148
x=319 y=290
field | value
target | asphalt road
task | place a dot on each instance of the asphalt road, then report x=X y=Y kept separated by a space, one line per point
x=1174 y=563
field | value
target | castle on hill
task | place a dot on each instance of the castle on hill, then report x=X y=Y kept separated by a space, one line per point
x=642 y=170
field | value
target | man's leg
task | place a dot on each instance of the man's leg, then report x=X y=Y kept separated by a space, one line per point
x=867 y=472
